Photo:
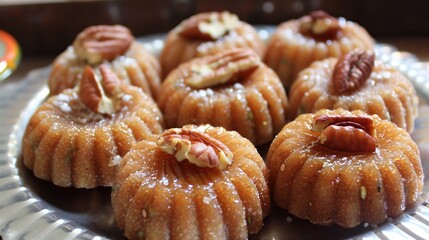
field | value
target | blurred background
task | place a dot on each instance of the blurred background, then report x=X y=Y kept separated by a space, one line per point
x=44 y=28
x=47 y=27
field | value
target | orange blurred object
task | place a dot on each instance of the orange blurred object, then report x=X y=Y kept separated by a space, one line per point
x=10 y=55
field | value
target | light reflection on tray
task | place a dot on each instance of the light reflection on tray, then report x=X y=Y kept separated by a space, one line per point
x=31 y=208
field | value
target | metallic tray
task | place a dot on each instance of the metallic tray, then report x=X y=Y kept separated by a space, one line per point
x=31 y=208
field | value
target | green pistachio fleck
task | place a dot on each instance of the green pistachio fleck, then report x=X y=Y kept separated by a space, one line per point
x=249 y=220
x=69 y=155
x=362 y=192
x=34 y=145
x=249 y=115
x=176 y=84
x=141 y=234
x=152 y=213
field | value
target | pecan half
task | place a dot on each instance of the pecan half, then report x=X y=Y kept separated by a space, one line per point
x=195 y=146
x=110 y=81
x=209 y=26
x=224 y=67
x=352 y=70
x=347 y=133
x=98 y=43
x=92 y=94
x=320 y=26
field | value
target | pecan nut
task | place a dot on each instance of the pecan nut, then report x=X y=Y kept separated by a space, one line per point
x=348 y=133
x=321 y=26
x=320 y=122
x=92 y=94
x=195 y=146
x=110 y=81
x=352 y=70
x=224 y=67
x=98 y=43
x=209 y=26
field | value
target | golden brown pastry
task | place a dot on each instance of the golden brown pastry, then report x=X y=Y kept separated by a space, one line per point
x=232 y=89
x=112 y=46
x=205 y=34
x=78 y=137
x=345 y=168
x=195 y=182
x=355 y=81
x=297 y=43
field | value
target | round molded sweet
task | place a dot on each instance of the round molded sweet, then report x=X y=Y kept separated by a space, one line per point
x=290 y=50
x=70 y=144
x=342 y=186
x=181 y=47
x=237 y=92
x=386 y=92
x=157 y=196
x=134 y=65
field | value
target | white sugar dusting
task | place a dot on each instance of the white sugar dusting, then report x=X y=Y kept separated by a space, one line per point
x=202 y=128
x=127 y=97
x=115 y=160
x=206 y=200
x=65 y=107
x=63 y=97
x=325 y=164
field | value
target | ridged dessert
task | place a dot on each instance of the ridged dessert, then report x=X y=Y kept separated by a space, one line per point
x=114 y=47
x=344 y=168
x=232 y=89
x=78 y=137
x=206 y=34
x=297 y=43
x=356 y=81
x=195 y=182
